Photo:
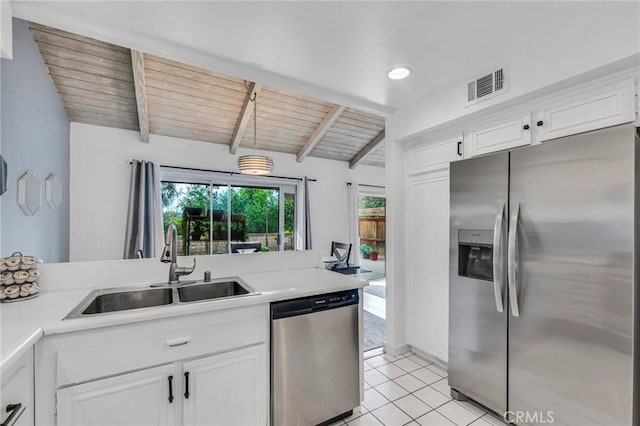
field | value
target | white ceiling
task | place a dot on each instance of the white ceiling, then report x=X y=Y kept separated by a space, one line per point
x=345 y=48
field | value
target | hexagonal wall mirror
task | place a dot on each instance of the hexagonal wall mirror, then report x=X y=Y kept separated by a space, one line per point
x=3 y=175
x=53 y=191
x=29 y=193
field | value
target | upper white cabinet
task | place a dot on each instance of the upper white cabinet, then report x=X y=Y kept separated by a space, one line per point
x=435 y=156
x=147 y=397
x=506 y=135
x=16 y=393
x=589 y=110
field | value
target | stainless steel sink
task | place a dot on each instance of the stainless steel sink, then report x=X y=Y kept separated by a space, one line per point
x=213 y=290
x=126 y=300
x=118 y=299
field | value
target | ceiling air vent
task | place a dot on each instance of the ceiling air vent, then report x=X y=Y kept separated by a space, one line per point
x=486 y=85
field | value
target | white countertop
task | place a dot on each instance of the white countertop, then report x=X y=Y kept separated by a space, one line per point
x=24 y=323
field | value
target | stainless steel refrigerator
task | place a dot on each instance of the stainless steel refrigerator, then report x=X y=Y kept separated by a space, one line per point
x=543 y=280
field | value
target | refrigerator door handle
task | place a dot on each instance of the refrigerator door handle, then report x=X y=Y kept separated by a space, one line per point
x=512 y=264
x=497 y=257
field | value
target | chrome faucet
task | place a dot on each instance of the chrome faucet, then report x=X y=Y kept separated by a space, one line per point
x=170 y=254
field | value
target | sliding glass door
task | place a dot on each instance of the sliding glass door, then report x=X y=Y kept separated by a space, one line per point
x=256 y=212
x=288 y=218
x=216 y=219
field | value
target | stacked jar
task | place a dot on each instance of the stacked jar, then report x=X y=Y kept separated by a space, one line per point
x=18 y=277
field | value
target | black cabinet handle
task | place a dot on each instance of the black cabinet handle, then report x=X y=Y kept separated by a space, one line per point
x=170 y=389
x=13 y=410
x=186 y=384
x=526 y=127
x=540 y=123
x=459 y=148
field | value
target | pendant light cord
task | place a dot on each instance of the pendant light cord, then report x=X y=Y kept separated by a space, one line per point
x=255 y=120
x=253 y=96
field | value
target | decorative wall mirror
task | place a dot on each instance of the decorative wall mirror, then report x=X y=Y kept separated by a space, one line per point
x=53 y=191
x=3 y=175
x=29 y=193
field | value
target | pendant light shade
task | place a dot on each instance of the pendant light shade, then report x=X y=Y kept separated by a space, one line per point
x=255 y=164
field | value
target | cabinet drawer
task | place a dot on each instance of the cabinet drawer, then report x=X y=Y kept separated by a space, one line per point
x=17 y=388
x=104 y=352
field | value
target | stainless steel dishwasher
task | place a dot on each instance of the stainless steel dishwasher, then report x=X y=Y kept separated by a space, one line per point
x=315 y=375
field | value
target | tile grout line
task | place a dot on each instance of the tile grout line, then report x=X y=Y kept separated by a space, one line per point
x=426 y=385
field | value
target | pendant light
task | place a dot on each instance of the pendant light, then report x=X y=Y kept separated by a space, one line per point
x=255 y=164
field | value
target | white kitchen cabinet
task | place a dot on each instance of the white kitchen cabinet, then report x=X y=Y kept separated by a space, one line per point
x=227 y=389
x=427 y=260
x=585 y=110
x=435 y=156
x=16 y=393
x=95 y=377
x=142 y=398
x=506 y=135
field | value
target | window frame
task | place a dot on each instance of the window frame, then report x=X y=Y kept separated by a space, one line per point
x=284 y=186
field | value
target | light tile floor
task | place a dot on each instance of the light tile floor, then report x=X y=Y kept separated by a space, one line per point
x=408 y=390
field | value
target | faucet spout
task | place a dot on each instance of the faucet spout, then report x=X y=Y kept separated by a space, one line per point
x=170 y=255
x=170 y=252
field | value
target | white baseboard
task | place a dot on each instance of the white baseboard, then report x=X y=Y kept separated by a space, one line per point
x=398 y=350
x=429 y=357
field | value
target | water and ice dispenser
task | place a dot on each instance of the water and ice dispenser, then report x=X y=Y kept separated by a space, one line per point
x=475 y=254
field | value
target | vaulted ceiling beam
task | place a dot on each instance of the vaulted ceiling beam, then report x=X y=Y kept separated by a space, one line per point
x=322 y=128
x=245 y=115
x=137 y=64
x=367 y=149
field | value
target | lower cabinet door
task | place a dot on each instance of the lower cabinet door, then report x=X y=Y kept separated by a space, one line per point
x=16 y=393
x=228 y=389
x=147 y=397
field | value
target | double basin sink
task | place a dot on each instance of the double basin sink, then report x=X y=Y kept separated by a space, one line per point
x=104 y=301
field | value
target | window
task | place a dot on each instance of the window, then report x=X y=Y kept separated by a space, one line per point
x=216 y=218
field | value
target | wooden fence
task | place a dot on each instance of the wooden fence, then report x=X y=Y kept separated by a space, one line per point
x=372 y=228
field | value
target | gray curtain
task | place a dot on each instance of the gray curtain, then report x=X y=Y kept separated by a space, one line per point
x=307 y=216
x=143 y=235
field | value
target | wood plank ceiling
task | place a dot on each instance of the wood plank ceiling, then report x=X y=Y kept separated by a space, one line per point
x=98 y=85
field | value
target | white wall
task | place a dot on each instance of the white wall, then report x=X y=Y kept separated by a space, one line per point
x=614 y=37
x=35 y=137
x=395 y=336
x=6 y=30
x=100 y=173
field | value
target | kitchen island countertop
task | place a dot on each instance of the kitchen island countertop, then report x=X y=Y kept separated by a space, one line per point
x=24 y=323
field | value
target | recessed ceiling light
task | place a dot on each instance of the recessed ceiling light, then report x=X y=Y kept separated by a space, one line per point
x=399 y=73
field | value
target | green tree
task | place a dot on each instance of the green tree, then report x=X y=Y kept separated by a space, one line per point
x=196 y=196
x=367 y=202
x=169 y=193
x=289 y=214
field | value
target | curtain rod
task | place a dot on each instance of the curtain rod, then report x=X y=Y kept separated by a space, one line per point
x=226 y=172
x=370 y=186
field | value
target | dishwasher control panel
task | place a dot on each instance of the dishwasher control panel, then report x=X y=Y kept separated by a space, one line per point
x=307 y=305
